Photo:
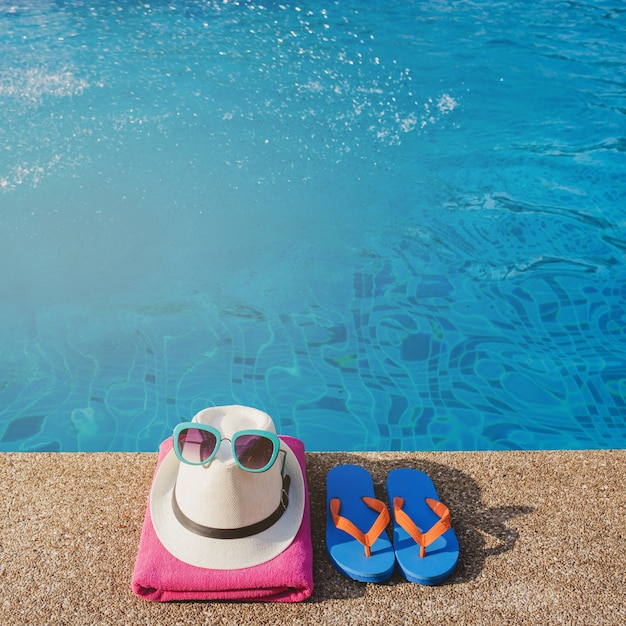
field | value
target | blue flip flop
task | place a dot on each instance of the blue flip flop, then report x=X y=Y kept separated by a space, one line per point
x=427 y=550
x=356 y=540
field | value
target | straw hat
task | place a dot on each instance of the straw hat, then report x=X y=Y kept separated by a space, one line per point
x=220 y=496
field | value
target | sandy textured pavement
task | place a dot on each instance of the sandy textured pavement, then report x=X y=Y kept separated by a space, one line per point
x=542 y=535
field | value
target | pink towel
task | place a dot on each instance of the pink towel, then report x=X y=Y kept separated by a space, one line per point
x=288 y=577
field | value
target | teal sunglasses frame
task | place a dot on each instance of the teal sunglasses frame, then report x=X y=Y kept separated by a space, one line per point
x=218 y=442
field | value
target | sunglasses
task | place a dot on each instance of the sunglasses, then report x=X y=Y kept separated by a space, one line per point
x=253 y=450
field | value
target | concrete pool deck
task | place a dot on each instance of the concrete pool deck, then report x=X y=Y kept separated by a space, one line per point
x=542 y=536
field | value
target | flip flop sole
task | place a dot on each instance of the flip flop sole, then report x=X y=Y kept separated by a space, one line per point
x=442 y=555
x=350 y=483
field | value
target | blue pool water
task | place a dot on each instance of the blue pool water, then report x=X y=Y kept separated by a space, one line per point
x=391 y=225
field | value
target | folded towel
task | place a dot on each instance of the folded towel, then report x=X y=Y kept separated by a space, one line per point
x=161 y=577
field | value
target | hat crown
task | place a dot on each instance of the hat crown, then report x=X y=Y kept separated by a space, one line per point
x=221 y=494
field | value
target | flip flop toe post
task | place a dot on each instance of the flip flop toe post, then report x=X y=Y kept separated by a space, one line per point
x=356 y=540
x=426 y=547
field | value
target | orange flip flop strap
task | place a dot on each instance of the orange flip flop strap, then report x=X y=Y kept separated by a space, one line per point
x=423 y=539
x=368 y=538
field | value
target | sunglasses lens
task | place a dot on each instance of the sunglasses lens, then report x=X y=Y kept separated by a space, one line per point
x=196 y=445
x=254 y=452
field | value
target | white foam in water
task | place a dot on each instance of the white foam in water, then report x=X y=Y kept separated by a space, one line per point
x=446 y=103
x=32 y=84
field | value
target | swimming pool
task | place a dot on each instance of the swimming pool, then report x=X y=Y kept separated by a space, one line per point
x=391 y=226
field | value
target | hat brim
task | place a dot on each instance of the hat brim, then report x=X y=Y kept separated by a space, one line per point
x=226 y=554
